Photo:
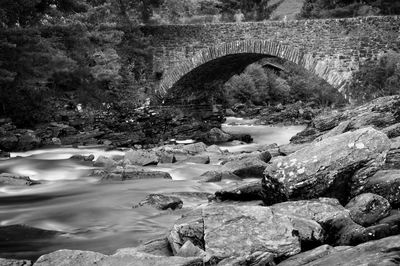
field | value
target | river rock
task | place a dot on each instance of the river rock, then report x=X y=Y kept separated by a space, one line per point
x=291 y=148
x=334 y=167
x=190 y=250
x=12 y=262
x=309 y=256
x=393 y=156
x=103 y=161
x=7 y=179
x=380 y=113
x=256 y=258
x=158 y=246
x=141 y=157
x=86 y=158
x=215 y=136
x=366 y=209
x=195 y=148
x=134 y=174
x=217 y=176
x=261 y=230
x=199 y=159
x=379 y=252
x=166 y=157
x=161 y=202
x=386 y=183
x=214 y=149
x=241 y=192
x=133 y=258
x=188 y=228
x=247 y=167
x=321 y=210
x=344 y=231
x=392 y=131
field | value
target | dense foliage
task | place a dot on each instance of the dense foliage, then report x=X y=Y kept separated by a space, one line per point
x=70 y=51
x=376 y=79
x=348 y=8
x=260 y=86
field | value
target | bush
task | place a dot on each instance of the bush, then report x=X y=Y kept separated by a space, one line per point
x=376 y=79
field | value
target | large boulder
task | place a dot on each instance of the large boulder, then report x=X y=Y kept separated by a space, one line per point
x=28 y=141
x=141 y=157
x=260 y=230
x=366 y=209
x=236 y=232
x=385 y=183
x=7 y=179
x=337 y=166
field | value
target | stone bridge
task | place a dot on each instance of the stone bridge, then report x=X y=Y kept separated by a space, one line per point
x=190 y=55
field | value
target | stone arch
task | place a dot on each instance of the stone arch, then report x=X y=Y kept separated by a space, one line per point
x=322 y=67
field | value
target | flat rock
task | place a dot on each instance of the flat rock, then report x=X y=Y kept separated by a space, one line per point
x=386 y=184
x=334 y=167
x=248 y=229
x=134 y=174
x=141 y=157
x=366 y=209
x=133 y=258
x=7 y=179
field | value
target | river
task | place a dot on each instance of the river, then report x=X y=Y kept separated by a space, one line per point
x=99 y=216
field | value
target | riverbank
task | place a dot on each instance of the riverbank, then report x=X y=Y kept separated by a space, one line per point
x=329 y=197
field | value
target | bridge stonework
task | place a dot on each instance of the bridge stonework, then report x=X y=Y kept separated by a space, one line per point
x=331 y=48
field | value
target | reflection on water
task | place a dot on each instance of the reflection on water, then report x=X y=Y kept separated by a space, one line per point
x=99 y=216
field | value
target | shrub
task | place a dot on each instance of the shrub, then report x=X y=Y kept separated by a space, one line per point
x=376 y=79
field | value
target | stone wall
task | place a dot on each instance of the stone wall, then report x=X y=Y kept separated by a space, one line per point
x=330 y=48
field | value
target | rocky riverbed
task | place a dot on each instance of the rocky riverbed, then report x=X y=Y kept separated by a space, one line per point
x=330 y=197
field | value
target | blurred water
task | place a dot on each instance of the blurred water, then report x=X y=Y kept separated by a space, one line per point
x=99 y=216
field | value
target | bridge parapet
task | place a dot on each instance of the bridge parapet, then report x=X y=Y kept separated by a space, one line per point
x=331 y=48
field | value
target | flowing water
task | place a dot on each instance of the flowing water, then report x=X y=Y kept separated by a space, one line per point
x=99 y=216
